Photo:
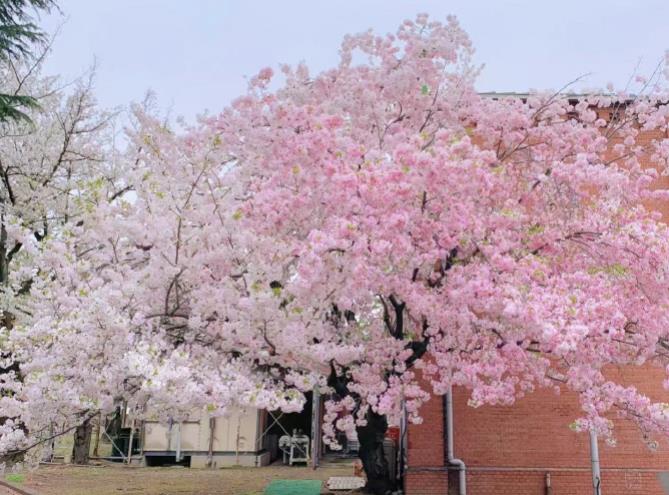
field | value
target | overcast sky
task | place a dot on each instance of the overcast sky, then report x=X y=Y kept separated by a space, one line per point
x=196 y=54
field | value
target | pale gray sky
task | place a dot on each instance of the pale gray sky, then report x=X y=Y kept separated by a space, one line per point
x=196 y=54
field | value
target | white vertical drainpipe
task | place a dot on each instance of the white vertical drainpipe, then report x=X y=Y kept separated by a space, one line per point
x=462 y=472
x=594 y=459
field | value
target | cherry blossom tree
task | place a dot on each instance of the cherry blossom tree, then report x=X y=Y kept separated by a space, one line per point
x=105 y=322
x=47 y=160
x=379 y=231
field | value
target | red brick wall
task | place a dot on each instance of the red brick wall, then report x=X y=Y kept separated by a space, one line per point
x=425 y=452
x=509 y=450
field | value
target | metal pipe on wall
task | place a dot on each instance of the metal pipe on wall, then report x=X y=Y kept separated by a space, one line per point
x=402 y=444
x=594 y=460
x=547 y=484
x=450 y=456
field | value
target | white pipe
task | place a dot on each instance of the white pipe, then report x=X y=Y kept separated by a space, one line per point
x=462 y=472
x=547 y=483
x=594 y=458
x=401 y=457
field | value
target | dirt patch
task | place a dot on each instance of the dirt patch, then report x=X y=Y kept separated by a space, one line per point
x=120 y=480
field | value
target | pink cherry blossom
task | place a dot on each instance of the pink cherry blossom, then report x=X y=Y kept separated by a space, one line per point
x=379 y=231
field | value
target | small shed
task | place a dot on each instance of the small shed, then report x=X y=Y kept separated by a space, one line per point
x=200 y=441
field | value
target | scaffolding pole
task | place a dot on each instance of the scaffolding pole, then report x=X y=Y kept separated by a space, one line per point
x=132 y=434
x=316 y=428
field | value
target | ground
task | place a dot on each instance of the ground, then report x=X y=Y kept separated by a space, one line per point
x=120 y=480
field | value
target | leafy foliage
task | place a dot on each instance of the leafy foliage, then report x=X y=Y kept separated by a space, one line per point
x=18 y=35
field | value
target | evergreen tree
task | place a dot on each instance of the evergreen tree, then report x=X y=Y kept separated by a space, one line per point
x=18 y=34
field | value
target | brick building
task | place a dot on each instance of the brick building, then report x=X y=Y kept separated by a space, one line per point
x=529 y=449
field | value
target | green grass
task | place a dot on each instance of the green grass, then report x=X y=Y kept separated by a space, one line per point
x=16 y=478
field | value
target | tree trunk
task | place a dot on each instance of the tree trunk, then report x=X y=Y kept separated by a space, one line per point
x=97 y=435
x=373 y=457
x=82 y=442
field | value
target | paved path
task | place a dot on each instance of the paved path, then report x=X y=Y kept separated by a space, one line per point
x=7 y=489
